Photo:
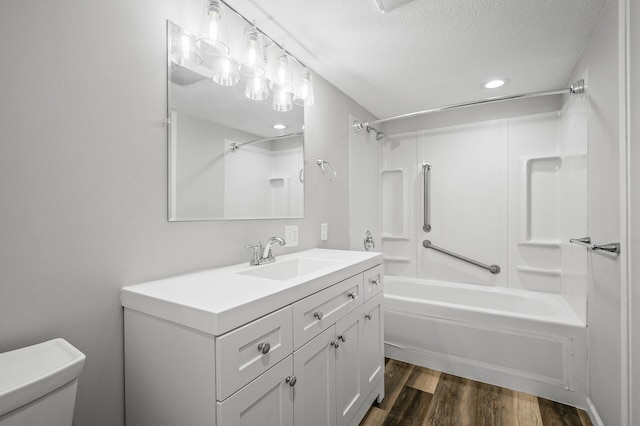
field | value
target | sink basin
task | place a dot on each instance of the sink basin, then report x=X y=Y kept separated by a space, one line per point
x=289 y=269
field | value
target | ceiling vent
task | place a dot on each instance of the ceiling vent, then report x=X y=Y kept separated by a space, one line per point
x=388 y=5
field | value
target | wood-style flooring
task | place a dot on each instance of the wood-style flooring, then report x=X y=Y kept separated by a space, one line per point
x=422 y=397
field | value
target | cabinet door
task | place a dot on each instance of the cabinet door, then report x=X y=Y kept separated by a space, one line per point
x=266 y=401
x=314 y=365
x=372 y=343
x=349 y=392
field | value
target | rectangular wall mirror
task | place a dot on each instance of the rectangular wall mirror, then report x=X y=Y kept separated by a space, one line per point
x=230 y=157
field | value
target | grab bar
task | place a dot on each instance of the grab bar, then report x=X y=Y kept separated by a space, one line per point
x=586 y=241
x=494 y=269
x=426 y=183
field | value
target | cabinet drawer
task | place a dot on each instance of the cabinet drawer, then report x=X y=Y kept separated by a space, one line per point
x=245 y=353
x=268 y=400
x=319 y=311
x=372 y=281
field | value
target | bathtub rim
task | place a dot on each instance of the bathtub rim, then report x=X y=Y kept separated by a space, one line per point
x=565 y=316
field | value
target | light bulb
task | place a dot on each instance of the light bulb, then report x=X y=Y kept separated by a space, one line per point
x=304 y=92
x=252 y=56
x=282 y=75
x=257 y=88
x=225 y=72
x=282 y=99
x=212 y=30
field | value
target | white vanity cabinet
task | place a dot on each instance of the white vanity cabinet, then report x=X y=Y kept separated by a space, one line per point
x=316 y=359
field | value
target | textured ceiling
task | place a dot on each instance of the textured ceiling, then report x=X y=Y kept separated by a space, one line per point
x=427 y=53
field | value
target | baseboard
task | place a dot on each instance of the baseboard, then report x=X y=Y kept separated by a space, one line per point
x=593 y=413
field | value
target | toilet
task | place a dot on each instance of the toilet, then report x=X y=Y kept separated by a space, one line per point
x=38 y=384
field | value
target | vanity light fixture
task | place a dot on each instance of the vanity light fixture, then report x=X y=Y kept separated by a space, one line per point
x=225 y=71
x=304 y=92
x=279 y=126
x=494 y=84
x=282 y=98
x=265 y=73
x=252 y=57
x=213 y=30
x=257 y=88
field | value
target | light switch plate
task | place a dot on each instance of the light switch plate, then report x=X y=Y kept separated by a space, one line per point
x=291 y=236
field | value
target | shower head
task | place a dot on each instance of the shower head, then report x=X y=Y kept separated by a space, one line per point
x=379 y=134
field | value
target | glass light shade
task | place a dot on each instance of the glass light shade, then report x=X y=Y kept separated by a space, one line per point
x=183 y=49
x=257 y=88
x=304 y=90
x=213 y=30
x=252 y=56
x=282 y=73
x=225 y=71
x=282 y=98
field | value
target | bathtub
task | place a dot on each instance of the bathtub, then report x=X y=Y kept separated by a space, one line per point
x=528 y=341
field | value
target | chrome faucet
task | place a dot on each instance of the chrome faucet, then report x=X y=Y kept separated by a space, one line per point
x=262 y=252
x=267 y=256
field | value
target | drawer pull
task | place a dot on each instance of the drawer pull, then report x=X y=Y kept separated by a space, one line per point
x=375 y=281
x=318 y=315
x=335 y=344
x=291 y=380
x=264 y=348
x=367 y=316
x=343 y=337
x=352 y=295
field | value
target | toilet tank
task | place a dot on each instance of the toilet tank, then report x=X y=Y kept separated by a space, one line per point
x=38 y=384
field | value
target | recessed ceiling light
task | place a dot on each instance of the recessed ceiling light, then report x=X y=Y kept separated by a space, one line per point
x=279 y=126
x=494 y=84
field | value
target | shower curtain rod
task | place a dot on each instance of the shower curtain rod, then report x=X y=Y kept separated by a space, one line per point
x=576 y=88
x=236 y=146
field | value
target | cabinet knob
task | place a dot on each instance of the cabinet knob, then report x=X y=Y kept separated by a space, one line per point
x=291 y=380
x=335 y=344
x=318 y=315
x=375 y=281
x=343 y=337
x=264 y=348
x=367 y=316
x=352 y=295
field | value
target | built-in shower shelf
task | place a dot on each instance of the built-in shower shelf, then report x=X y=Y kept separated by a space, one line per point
x=540 y=271
x=394 y=237
x=541 y=243
x=396 y=259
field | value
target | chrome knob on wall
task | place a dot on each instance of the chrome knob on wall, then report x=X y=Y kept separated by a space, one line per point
x=369 y=242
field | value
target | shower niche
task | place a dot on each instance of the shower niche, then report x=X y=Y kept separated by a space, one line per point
x=552 y=208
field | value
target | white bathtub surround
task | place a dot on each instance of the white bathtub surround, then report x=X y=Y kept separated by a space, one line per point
x=510 y=192
x=529 y=341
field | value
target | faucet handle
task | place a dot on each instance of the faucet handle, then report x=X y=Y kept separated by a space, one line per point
x=255 y=259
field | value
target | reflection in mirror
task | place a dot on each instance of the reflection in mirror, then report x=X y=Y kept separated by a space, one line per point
x=231 y=154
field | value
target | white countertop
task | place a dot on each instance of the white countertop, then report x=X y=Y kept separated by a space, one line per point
x=218 y=300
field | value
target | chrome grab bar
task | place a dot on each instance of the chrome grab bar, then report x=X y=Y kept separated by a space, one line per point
x=586 y=241
x=494 y=269
x=426 y=185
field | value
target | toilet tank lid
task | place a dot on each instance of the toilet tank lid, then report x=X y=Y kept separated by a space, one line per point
x=29 y=373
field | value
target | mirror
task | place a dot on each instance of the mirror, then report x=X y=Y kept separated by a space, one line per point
x=226 y=160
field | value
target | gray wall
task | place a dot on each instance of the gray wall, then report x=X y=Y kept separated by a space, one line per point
x=83 y=180
x=601 y=62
